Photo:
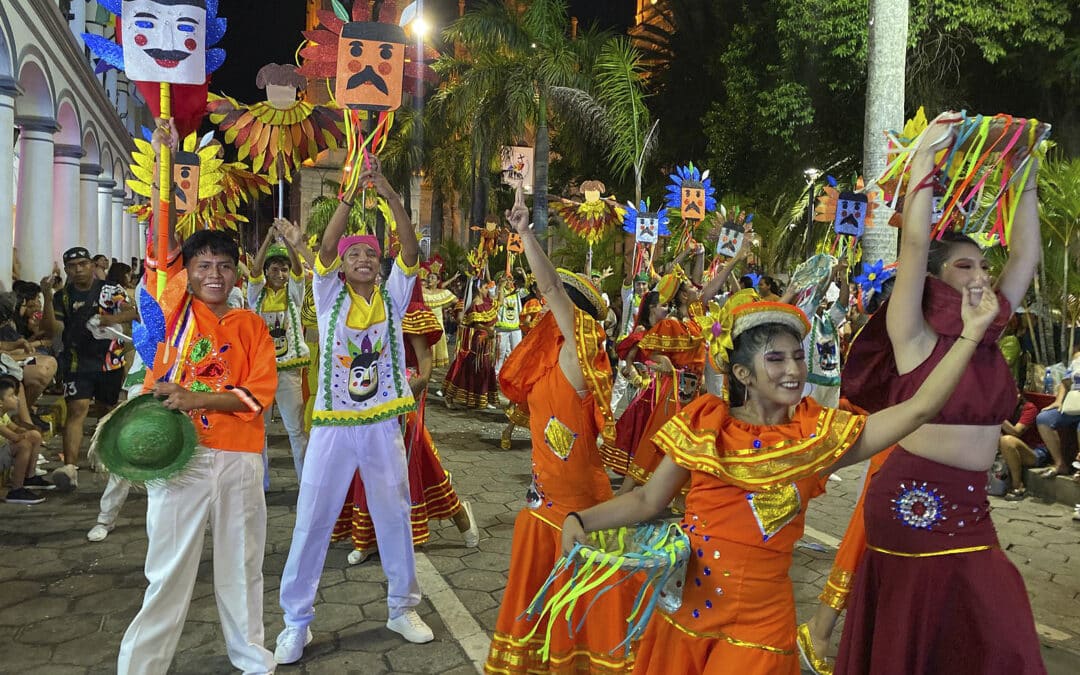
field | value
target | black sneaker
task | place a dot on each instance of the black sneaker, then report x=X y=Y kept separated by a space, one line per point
x=41 y=424
x=23 y=496
x=38 y=483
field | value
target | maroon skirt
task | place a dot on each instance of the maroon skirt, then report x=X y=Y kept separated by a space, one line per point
x=471 y=380
x=934 y=592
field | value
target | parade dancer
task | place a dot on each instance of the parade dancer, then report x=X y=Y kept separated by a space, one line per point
x=508 y=320
x=752 y=466
x=363 y=389
x=470 y=381
x=224 y=361
x=277 y=294
x=433 y=497
x=437 y=298
x=929 y=537
x=561 y=370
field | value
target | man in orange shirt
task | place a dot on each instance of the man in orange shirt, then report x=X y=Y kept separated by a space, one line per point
x=218 y=365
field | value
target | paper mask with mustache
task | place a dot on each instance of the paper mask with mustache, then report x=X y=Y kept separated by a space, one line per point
x=165 y=40
x=693 y=200
x=850 y=214
x=185 y=182
x=370 y=66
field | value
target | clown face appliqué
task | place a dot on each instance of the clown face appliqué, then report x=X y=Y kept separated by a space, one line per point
x=363 y=369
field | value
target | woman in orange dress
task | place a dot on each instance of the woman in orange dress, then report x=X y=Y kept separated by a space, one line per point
x=752 y=468
x=562 y=372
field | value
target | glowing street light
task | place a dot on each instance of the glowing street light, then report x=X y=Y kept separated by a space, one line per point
x=420 y=27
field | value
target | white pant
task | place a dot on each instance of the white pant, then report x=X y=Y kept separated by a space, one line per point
x=505 y=341
x=334 y=453
x=116 y=492
x=226 y=488
x=289 y=401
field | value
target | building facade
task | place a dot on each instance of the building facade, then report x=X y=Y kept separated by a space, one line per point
x=65 y=139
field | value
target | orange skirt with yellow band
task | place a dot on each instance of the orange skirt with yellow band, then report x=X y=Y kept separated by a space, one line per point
x=852 y=546
x=535 y=549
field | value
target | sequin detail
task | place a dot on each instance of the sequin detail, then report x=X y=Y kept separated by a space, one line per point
x=773 y=509
x=559 y=438
x=919 y=506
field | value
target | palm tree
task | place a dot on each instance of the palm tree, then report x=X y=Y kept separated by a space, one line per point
x=517 y=69
x=1059 y=213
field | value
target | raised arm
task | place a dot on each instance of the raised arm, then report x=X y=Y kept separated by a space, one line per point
x=1025 y=242
x=410 y=247
x=334 y=229
x=294 y=241
x=907 y=328
x=888 y=426
x=550 y=286
x=260 y=256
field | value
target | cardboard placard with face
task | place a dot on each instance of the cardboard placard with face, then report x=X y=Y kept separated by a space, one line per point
x=850 y=214
x=730 y=240
x=647 y=227
x=693 y=200
x=185 y=182
x=516 y=166
x=370 y=66
x=164 y=40
x=514 y=244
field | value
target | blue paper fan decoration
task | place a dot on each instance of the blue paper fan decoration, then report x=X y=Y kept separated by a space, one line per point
x=147 y=334
x=690 y=175
x=630 y=219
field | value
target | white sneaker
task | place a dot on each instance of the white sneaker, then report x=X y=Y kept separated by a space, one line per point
x=411 y=627
x=358 y=557
x=291 y=643
x=98 y=532
x=66 y=478
x=471 y=535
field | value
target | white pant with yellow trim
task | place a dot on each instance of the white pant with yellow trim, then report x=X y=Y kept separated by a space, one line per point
x=224 y=488
x=505 y=342
x=289 y=401
x=334 y=453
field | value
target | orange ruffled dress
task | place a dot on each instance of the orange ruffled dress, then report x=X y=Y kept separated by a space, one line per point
x=568 y=472
x=745 y=511
x=682 y=343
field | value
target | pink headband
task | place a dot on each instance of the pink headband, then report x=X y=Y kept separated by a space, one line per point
x=348 y=242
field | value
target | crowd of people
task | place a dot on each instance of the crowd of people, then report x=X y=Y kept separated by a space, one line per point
x=723 y=397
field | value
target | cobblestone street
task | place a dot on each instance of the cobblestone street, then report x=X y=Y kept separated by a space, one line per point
x=65 y=602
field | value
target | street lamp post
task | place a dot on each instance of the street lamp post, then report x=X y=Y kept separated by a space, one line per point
x=811 y=175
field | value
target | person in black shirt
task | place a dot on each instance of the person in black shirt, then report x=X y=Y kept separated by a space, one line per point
x=91 y=362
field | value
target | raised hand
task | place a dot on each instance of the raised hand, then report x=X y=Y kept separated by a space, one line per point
x=518 y=215
x=291 y=232
x=165 y=132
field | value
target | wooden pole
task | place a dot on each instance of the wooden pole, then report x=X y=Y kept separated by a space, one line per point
x=165 y=193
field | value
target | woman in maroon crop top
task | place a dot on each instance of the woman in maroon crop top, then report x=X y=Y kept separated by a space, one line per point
x=934 y=592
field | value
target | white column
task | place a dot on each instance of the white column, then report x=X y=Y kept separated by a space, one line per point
x=116 y=246
x=77 y=24
x=88 y=205
x=125 y=235
x=104 y=213
x=66 y=195
x=34 y=203
x=8 y=91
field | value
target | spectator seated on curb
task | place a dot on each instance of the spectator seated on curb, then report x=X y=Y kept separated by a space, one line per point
x=18 y=449
x=1053 y=420
x=1021 y=446
x=19 y=359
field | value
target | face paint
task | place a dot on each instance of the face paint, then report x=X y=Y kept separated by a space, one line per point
x=185 y=182
x=370 y=66
x=165 y=40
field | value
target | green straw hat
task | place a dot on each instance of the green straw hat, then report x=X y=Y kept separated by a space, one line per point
x=143 y=441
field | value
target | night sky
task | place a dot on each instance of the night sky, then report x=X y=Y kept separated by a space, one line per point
x=262 y=32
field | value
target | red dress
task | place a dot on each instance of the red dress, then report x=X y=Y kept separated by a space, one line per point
x=934 y=592
x=470 y=381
